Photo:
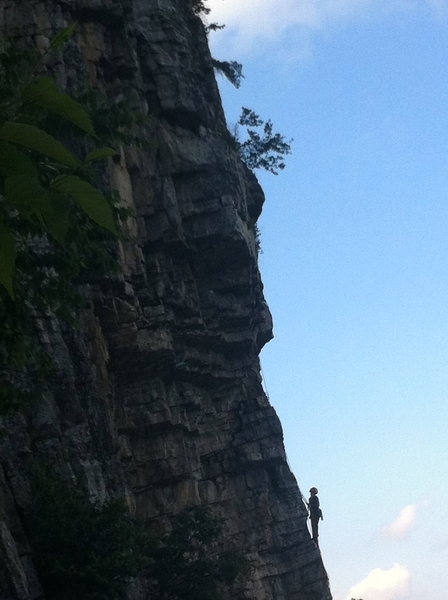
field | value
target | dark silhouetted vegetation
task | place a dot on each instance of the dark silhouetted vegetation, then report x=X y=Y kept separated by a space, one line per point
x=262 y=149
x=82 y=550
x=188 y=566
x=231 y=69
x=199 y=8
x=93 y=550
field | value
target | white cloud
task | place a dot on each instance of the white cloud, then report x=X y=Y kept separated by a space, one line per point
x=253 y=20
x=274 y=16
x=401 y=526
x=440 y=544
x=380 y=584
x=439 y=8
x=250 y=22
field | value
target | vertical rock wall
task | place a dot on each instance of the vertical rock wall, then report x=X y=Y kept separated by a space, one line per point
x=157 y=395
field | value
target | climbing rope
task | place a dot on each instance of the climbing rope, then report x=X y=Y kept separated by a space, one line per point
x=263 y=379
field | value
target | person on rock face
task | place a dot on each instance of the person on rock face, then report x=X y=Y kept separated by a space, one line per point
x=315 y=513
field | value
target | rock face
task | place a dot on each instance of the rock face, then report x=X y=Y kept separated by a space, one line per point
x=157 y=396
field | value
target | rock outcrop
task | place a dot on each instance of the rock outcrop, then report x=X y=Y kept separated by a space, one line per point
x=156 y=395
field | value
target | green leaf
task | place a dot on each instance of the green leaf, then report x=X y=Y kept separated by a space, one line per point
x=56 y=215
x=24 y=191
x=7 y=259
x=100 y=153
x=63 y=36
x=44 y=92
x=52 y=207
x=38 y=140
x=14 y=162
x=89 y=199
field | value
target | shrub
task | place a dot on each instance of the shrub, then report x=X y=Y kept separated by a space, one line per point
x=188 y=566
x=199 y=8
x=265 y=149
x=82 y=550
x=90 y=551
x=232 y=69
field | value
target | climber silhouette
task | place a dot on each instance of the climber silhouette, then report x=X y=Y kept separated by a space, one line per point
x=315 y=513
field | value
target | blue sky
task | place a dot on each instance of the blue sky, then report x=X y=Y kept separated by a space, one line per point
x=355 y=266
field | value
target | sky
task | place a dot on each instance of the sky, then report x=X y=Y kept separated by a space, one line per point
x=354 y=235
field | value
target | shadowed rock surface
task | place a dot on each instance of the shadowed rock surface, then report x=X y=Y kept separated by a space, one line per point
x=157 y=395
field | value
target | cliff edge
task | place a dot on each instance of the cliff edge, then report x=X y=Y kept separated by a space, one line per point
x=156 y=396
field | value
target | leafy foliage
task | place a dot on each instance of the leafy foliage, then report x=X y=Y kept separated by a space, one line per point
x=90 y=551
x=213 y=27
x=44 y=92
x=199 y=8
x=257 y=237
x=187 y=566
x=56 y=226
x=82 y=550
x=231 y=69
x=262 y=149
x=31 y=183
x=119 y=122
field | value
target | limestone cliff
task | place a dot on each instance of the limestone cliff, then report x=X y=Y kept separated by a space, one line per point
x=157 y=396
